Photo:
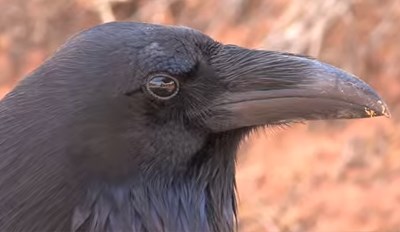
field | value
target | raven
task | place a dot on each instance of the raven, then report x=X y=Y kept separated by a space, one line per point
x=135 y=127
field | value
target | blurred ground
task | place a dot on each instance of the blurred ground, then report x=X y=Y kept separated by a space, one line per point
x=321 y=176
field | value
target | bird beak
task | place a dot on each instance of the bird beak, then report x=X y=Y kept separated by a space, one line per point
x=263 y=87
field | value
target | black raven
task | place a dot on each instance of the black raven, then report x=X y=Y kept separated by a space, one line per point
x=135 y=127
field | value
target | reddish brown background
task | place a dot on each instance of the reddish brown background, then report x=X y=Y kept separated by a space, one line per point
x=321 y=176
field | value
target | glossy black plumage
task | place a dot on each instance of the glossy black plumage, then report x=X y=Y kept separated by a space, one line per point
x=85 y=147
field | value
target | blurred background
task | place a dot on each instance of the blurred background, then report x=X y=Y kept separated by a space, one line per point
x=336 y=176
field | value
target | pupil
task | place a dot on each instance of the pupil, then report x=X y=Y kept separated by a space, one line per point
x=162 y=86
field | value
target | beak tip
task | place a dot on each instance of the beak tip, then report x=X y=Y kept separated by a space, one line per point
x=379 y=108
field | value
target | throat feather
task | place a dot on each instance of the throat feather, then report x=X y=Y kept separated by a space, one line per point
x=202 y=198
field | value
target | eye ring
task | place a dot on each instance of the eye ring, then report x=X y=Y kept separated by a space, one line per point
x=162 y=86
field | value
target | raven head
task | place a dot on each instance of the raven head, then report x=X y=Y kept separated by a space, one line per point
x=155 y=95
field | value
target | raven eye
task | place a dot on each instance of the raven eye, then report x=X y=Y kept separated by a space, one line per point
x=162 y=86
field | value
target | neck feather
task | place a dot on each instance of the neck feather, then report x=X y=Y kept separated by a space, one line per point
x=202 y=198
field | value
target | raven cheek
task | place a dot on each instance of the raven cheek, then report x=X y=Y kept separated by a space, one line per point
x=272 y=88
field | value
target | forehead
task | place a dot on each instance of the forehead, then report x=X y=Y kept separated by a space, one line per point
x=171 y=49
x=144 y=49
